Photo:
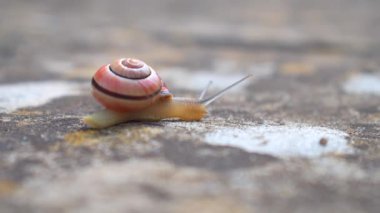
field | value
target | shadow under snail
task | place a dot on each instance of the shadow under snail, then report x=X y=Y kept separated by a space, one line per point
x=130 y=90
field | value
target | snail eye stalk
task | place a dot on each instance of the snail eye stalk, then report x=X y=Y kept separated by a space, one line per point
x=214 y=97
x=203 y=93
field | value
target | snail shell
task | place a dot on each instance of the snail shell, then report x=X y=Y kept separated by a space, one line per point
x=127 y=85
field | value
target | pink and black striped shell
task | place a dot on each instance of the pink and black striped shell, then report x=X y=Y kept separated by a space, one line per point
x=127 y=85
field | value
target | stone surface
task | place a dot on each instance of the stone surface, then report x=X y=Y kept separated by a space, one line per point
x=302 y=135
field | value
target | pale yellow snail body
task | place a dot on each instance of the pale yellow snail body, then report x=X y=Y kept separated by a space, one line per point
x=130 y=90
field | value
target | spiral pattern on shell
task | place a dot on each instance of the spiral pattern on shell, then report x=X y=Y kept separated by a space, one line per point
x=126 y=85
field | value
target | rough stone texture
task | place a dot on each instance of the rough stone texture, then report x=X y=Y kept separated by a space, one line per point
x=301 y=54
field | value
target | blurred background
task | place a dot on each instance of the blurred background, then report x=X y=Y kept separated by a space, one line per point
x=72 y=37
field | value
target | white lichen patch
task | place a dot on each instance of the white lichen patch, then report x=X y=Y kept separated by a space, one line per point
x=31 y=94
x=364 y=83
x=282 y=141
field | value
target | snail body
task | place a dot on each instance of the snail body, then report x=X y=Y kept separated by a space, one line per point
x=185 y=110
x=130 y=90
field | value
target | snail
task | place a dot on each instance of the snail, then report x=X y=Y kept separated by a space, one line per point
x=130 y=90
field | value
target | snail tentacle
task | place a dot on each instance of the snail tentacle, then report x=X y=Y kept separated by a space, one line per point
x=214 y=97
x=203 y=93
